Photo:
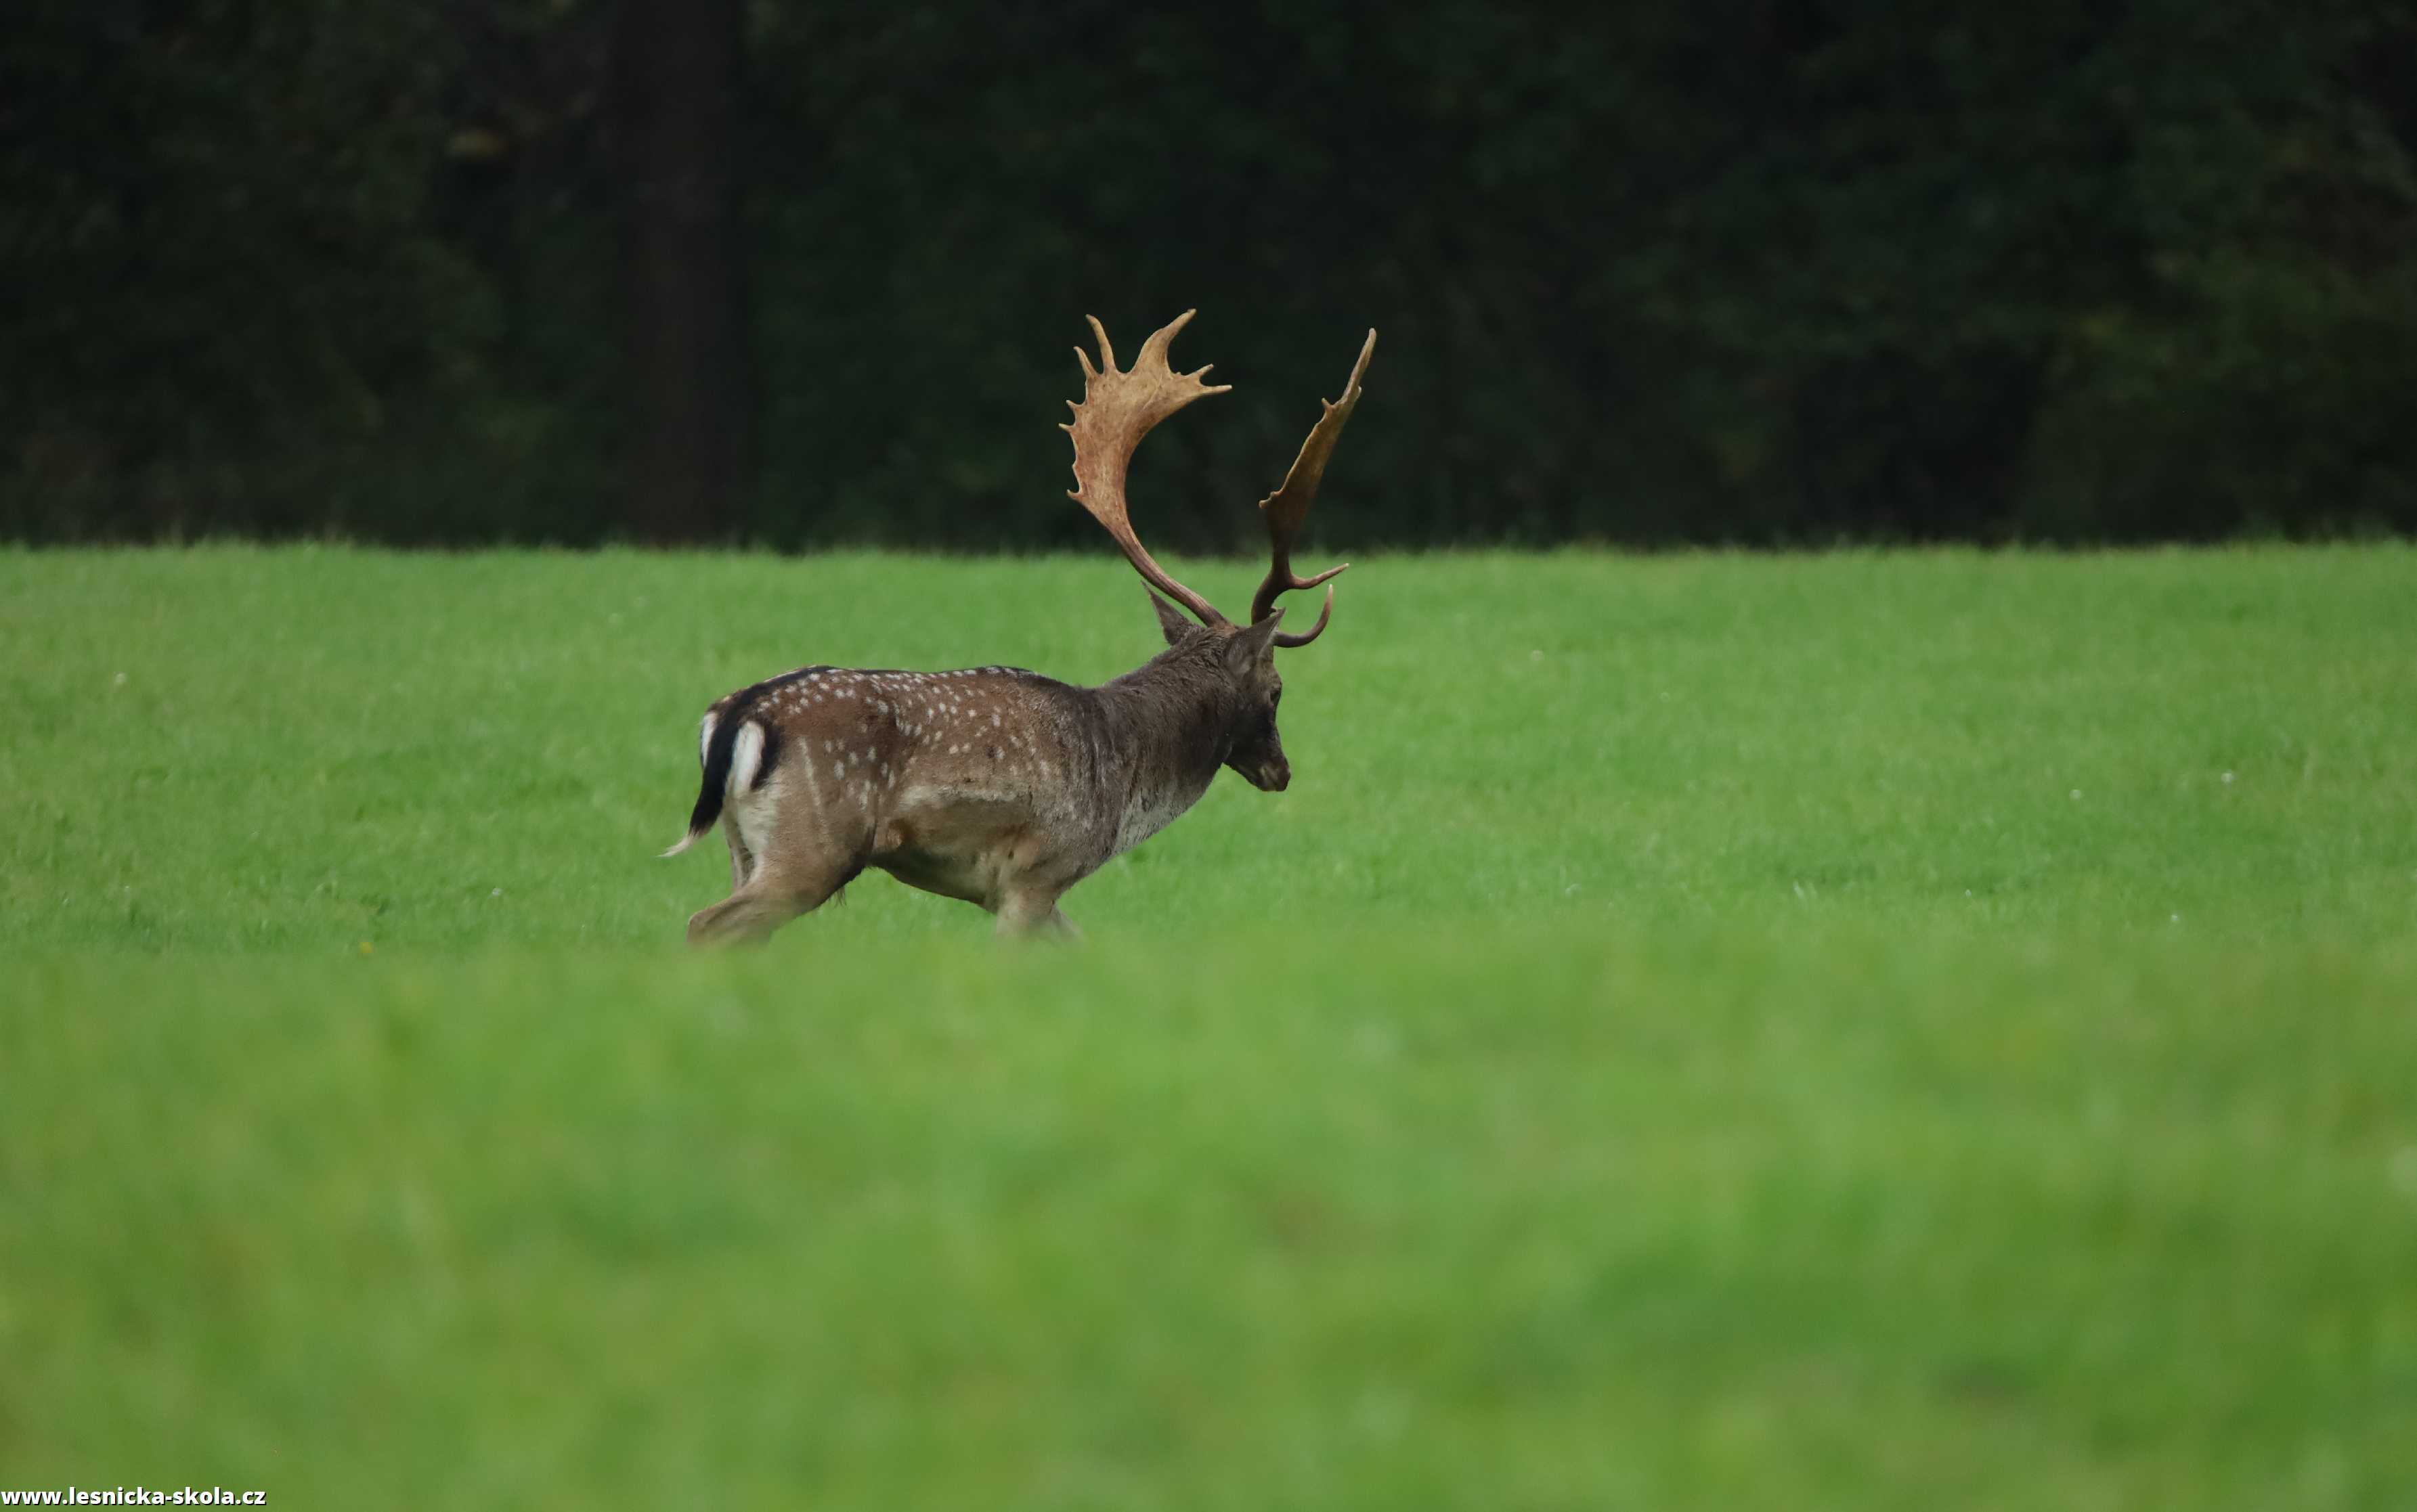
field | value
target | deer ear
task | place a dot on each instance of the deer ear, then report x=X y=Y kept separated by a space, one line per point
x=1171 y=622
x=1247 y=648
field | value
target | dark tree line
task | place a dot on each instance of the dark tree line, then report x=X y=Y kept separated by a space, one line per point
x=1749 y=271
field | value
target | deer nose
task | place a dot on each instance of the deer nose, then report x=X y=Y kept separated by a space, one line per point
x=1276 y=776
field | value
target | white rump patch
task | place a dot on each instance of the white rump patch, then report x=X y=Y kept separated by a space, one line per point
x=746 y=755
x=751 y=811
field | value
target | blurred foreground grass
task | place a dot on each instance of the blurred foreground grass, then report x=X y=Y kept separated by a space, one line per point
x=1513 y=1220
x=1858 y=1031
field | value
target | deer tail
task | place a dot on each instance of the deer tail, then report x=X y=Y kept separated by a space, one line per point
x=736 y=751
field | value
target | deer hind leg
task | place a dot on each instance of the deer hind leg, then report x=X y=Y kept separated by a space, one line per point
x=742 y=860
x=770 y=898
x=745 y=917
x=781 y=869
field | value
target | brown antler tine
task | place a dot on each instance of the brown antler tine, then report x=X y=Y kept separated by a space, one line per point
x=1288 y=506
x=1117 y=409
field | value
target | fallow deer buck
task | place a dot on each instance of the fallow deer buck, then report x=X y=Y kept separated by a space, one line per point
x=996 y=785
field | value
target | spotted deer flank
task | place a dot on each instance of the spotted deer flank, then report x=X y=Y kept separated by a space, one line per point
x=996 y=785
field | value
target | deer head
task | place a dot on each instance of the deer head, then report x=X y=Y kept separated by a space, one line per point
x=1234 y=664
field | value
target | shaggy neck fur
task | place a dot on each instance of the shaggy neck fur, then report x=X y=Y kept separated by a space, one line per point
x=1167 y=726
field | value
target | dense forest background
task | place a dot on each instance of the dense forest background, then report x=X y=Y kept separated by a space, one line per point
x=1762 y=271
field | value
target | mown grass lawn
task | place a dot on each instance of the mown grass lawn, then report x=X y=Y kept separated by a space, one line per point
x=1860 y=1030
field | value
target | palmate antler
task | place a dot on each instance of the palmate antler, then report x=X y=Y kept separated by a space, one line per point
x=1119 y=408
x=1116 y=411
x=1288 y=506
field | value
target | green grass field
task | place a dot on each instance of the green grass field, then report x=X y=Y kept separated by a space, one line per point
x=1867 y=1030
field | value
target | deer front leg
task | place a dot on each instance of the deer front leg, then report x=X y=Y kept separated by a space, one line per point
x=1032 y=912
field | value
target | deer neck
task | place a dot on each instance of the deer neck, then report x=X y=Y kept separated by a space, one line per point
x=1165 y=727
